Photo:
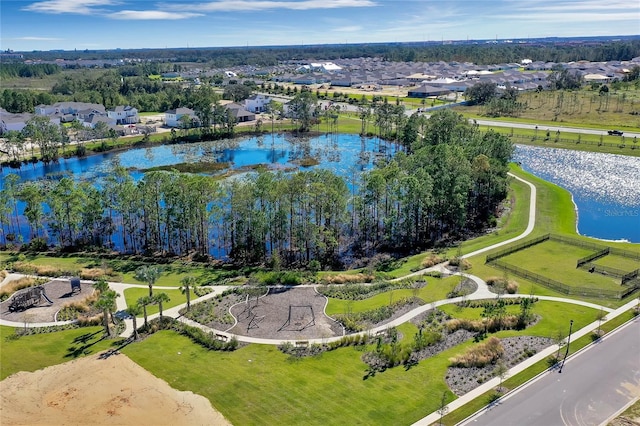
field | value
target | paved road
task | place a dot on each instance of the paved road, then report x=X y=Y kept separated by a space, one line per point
x=593 y=386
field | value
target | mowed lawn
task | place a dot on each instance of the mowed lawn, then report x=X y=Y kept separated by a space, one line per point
x=31 y=353
x=132 y=295
x=556 y=260
x=554 y=317
x=259 y=385
x=619 y=262
x=436 y=289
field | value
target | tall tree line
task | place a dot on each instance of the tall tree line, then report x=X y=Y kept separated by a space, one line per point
x=446 y=183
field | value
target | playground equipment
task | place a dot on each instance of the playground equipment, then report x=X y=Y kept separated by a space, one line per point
x=28 y=298
x=75 y=285
x=300 y=317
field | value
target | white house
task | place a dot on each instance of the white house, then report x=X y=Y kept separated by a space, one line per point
x=10 y=121
x=124 y=114
x=172 y=117
x=257 y=103
x=62 y=108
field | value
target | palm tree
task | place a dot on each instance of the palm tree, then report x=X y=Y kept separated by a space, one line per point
x=161 y=298
x=149 y=275
x=144 y=302
x=107 y=302
x=188 y=283
x=134 y=311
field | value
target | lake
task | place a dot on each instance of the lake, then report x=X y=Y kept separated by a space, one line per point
x=605 y=188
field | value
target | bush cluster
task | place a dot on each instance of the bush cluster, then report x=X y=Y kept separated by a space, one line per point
x=348 y=278
x=491 y=325
x=19 y=284
x=430 y=260
x=502 y=285
x=205 y=339
x=354 y=322
x=479 y=355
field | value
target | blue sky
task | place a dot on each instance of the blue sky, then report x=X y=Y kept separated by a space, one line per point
x=108 y=24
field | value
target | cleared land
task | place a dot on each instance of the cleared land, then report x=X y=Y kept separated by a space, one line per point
x=106 y=391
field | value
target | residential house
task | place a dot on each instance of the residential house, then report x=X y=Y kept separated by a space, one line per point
x=124 y=114
x=426 y=91
x=239 y=113
x=10 y=121
x=172 y=117
x=68 y=108
x=257 y=103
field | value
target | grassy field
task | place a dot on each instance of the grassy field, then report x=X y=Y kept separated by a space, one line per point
x=556 y=260
x=548 y=325
x=132 y=295
x=581 y=107
x=618 y=262
x=259 y=379
x=31 y=353
x=257 y=384
x=436 y=289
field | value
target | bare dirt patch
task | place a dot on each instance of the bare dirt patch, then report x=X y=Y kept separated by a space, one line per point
x=285 y=313
x=110 y=391
x=59 y=291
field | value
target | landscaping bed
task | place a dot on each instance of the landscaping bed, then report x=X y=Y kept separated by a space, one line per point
x=516 y=349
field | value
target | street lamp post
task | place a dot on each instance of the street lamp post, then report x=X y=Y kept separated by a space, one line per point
x=568 y=343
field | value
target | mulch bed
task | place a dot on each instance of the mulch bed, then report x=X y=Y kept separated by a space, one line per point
x=462 y=380
x=285 y=313
x=59 y=291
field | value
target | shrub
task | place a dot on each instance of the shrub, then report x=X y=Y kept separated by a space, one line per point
x=430 y=260
x=348 y=278
x=462 y=264
x=95 y=273
x=480 y=355
x=502 y=285
x=19 y=284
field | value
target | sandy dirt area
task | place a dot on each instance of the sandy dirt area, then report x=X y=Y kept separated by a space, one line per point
x=94 y=391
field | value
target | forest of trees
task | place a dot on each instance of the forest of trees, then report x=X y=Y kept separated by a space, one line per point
x=443 y=184
x=482 y=53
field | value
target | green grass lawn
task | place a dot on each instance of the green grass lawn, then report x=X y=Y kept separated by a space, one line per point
x=556 y=260
x=132 y=295
x=257 y=384
x=618 y=262
x=550 y=320
x=436 y=289
x=31 y=353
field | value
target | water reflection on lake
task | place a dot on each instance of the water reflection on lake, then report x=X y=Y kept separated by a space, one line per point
x=605 y=187
x=341 y=153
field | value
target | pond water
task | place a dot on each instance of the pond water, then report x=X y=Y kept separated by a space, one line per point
x=280 y=151
x=346 y=155
x=605 y=188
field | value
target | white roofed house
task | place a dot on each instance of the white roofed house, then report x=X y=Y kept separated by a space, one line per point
x=257 y=103
x=124 y=114
x=68 y=108
x=172 y=117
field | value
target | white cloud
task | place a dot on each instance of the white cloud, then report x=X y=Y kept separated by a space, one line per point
x=36 y=38
x=260 y=5
x=80 y=7
x=147 y=15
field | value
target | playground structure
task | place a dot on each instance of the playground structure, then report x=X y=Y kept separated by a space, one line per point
x=302 y=317
x=28 y=298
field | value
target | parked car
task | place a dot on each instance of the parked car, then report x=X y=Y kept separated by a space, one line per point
x=615 y=133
